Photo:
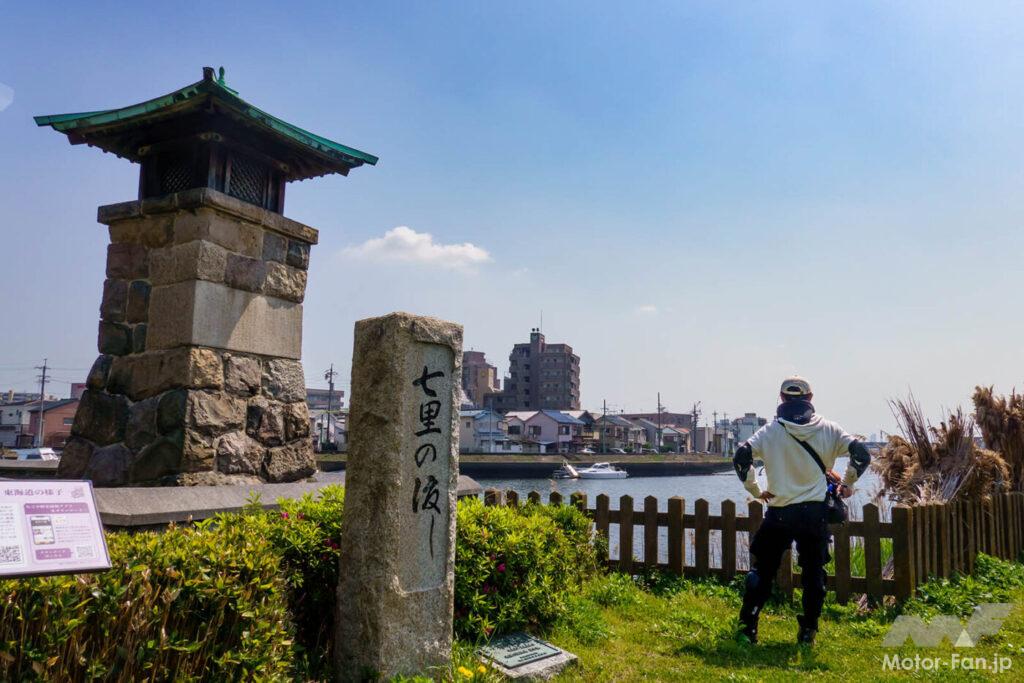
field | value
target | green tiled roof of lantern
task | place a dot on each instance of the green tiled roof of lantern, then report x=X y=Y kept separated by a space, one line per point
x=208 y=107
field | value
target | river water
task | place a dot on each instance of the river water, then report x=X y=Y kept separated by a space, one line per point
x=712 y=487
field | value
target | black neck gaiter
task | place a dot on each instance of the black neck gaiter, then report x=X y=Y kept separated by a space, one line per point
x=799 y=412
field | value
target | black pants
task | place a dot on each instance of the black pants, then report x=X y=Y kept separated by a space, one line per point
x=805 y=524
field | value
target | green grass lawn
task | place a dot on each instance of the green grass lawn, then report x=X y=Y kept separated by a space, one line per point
x=672 y=630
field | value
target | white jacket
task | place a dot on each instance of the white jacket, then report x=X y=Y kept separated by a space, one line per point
x=792 y=474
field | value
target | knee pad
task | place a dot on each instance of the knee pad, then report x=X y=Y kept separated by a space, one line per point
x=752 y=580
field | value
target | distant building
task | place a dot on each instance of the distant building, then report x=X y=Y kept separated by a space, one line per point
x=684 y=420
x=700 y=440
x=675 y=439
x=744 y=427
x=564 y=430
x=723 y=439
x=77 y=389
x=650 y=429
x=483 y=431
x=615 y=431
x=58 y=416
x=672 y=438
x=19 y=423
x=14 y=397
x=551 y=431
x=318 y=399
x=588 y=433
x=479 y=378
x=541 y=376
x=14 y=422
x=519 y=440
x=329 y=431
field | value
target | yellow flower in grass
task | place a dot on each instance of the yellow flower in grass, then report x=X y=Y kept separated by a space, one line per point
x=482 y=669
x=466 y=673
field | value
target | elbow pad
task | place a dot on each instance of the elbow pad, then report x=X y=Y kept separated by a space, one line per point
x=860 y=458
x=743 y=460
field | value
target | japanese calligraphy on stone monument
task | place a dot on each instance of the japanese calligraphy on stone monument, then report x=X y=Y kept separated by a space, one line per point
x=426 y=476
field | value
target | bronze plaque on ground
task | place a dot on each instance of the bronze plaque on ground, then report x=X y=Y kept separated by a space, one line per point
x=517 y=649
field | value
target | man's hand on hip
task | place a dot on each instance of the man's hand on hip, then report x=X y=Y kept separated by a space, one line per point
x=766 y=496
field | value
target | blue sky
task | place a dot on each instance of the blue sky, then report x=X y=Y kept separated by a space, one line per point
x=702 y=197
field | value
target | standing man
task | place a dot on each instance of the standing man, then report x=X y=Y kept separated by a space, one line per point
x=795 y=497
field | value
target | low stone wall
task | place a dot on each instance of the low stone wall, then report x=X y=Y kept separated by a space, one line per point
x=151 y=508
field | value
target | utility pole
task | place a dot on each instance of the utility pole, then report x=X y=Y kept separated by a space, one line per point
x=604 y=421
x=714 y=430
x=694 y=425
x=725 y=434
x=329 y=376
x=42 y=400
x=659 y=423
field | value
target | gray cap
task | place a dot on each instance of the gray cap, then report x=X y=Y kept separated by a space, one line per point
x=795 y=386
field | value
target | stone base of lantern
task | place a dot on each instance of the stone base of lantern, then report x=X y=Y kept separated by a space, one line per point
x=191 y=416
x=199 y=379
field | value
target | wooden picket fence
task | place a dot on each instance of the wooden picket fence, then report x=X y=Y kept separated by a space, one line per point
x=934 y=540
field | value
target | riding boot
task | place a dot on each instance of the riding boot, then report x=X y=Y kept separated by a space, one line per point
x=807 y=632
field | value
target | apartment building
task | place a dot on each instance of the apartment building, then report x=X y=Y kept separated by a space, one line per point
x=320 y=399
x=541 y=376
x=479 y=378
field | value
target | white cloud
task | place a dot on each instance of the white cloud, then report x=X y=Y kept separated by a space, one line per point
x=403 y=244
x=6 y=96
x=647 y=309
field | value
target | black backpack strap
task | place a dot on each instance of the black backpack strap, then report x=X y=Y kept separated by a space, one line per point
x=810 y=451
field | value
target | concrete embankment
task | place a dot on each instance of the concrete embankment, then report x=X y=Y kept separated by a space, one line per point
x=484 y=465
x=541 y=466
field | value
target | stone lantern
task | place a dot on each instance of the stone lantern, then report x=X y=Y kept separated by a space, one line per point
x=199 y=379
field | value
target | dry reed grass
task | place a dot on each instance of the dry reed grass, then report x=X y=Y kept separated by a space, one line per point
x=1001 y=420
x=932 y=464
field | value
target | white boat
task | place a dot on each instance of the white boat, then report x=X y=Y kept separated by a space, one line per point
x=36 y=454
x=602 y=470
x=566 y=471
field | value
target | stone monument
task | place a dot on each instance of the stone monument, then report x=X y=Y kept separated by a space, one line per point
x=398 y=535
x=199 y=379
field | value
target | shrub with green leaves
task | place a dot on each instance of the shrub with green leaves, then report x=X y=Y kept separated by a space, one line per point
x=515 y=567
x=306 y=534
x=205 y=602
x=252 y=596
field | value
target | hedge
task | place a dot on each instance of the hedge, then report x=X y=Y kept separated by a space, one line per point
x=208 y=602
x=252 y=595
x=515 y=567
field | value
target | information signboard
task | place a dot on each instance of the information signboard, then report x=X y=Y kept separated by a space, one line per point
x=50 y=527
